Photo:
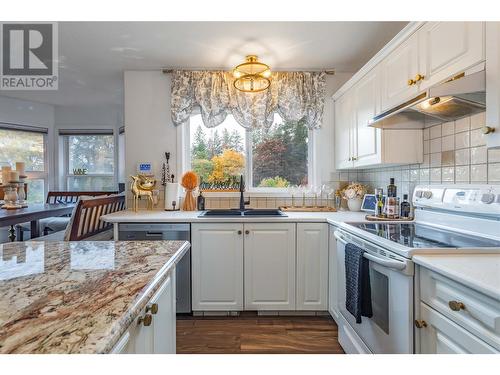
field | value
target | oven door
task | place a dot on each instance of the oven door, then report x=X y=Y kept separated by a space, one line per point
x=390 y=330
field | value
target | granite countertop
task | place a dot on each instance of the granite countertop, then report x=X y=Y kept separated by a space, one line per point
x=77 y=297
x=158 y=216
x=480 y=272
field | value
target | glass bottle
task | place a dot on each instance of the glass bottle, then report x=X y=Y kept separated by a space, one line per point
x=405 y=207
x=379 y=208
x=391 y=188
x=200 y=202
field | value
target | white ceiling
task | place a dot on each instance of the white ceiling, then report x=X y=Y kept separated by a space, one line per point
x=93 y=55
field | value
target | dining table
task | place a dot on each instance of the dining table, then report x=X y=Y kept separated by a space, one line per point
x=32 y=214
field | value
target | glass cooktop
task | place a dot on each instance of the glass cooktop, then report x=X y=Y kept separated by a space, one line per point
x=422 y=236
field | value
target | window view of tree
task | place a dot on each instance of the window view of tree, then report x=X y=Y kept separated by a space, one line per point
x=217 y=155
x=279 y=154
x=24 y=146
x=95 y=154
x=17 y=145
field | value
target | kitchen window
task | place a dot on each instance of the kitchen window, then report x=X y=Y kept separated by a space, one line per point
x=89 y=160
x=271 y=159
x=27 y=144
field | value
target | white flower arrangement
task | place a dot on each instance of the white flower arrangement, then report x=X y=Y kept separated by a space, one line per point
x=354 y=191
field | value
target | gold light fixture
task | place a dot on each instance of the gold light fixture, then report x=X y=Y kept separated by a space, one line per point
x=252 y=75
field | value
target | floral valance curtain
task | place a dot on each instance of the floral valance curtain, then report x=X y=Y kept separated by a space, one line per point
x=294 y=95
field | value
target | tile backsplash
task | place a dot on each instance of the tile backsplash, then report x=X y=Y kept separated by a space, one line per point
x=454 y=152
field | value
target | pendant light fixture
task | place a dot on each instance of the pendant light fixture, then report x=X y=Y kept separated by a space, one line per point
x=252 y=75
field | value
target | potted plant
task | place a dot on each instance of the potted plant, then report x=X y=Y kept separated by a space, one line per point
x=354 y=194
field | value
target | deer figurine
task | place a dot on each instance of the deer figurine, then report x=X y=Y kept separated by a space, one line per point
x=142 y=188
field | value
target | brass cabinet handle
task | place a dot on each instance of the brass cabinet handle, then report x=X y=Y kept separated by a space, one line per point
x=145 y=320
x=487 y=130
x=456 y=305
x=247 y=232
x=354 y=158
x=420 y=323
x=419 y=77
x=153 y=307
x=240 y=232
x=411 y=82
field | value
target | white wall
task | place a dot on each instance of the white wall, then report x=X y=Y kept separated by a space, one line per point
x=149 y=131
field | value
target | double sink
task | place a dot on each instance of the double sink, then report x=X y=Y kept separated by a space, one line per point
x=245 y=212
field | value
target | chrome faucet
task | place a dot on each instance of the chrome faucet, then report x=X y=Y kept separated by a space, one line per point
x=242 y=198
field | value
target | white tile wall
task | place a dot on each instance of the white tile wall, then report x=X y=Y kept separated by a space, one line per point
x=454 y=152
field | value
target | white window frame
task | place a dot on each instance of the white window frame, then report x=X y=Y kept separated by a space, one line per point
x=34 y=175
x=66 y=172
x=184 y=162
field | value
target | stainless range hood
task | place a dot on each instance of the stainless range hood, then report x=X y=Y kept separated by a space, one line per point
x=462 y=96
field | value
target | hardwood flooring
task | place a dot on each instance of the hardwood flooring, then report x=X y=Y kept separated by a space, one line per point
x=250 y=333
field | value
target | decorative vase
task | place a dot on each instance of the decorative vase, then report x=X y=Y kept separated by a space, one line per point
x=354 y=204
x=189 y=203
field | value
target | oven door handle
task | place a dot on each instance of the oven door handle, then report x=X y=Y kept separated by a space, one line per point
x=395 y=264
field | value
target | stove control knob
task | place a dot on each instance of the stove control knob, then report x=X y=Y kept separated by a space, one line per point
x=418 y=193
x=488 y=198
x=428 y=194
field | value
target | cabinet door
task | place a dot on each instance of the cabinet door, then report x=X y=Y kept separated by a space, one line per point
x=493 y=83
x=367 y=139
x=164 y=321
x=344 y=116
x=396 y=69
x=312 y=266
x=269 y=266
x=442 y=336
x=217 y=267
x=332 y=274
x=140 y=340
x=448 y=48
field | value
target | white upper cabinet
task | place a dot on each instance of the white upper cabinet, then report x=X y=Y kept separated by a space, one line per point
x=492 y=84
x=217 y=266
x=398 y=71
x=447 y=49
x=312 y=266
x=269 y=266
x=344 y=116
x=367 y=139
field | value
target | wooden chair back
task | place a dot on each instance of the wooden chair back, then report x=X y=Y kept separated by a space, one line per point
x=72 y=196
x=87 y=216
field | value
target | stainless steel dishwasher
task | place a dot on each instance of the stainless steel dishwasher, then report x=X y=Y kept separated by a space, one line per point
x=174 y=232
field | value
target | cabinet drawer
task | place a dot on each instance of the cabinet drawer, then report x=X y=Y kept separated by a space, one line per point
x=472 y=310
x=442 y=336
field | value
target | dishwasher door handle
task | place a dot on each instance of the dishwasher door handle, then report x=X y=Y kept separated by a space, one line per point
x=154 y=234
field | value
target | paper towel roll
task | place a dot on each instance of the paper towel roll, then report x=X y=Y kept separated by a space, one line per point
x=172 y=194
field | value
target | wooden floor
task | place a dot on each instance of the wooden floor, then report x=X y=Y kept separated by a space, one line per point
x=250 y=333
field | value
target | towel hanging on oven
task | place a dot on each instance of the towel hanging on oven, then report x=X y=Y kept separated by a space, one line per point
x=357 y=283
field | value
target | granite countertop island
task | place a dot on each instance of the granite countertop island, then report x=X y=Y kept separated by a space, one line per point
x=77 y=297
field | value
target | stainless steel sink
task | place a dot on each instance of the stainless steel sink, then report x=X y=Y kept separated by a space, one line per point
x=246 y=212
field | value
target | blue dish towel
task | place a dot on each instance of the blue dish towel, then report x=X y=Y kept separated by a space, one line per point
x=358 y=299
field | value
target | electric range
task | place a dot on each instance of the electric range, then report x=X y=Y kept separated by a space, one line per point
x=448 y=218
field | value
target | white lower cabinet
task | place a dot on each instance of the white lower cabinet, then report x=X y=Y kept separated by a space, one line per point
x=154 y=330
x=442 y=336
x=453 y=318
x=259 y=266
x=312 y=266
x=269 y=266
x=217 y=267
